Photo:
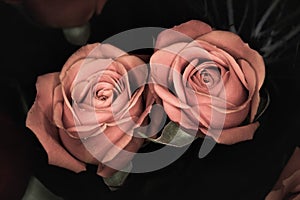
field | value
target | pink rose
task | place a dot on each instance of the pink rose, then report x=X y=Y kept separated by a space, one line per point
x=87 y=113
x=288 y=184
x=208 y=81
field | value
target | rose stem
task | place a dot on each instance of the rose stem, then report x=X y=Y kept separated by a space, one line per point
x=265 y=17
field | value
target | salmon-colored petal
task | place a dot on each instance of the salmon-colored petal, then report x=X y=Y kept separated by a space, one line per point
x=117 y=147
x=226 y=61
x=232 y=135
x=184 y=32
x=122 y=159
x=178 y=115
x=58 y=102
x=234 y=45
x=93 y=149
x=107 y=51
x=87 y=57
x=193 y=28
x=291 y=167
x=168 y=97
x=105 y=171
x=235 y=92
x=69 y=117
x=218 y=113
x=48 y=136
x=288 y=183
x=252 y=87
x=80 y=54
x=45 y=86
x=161 y=62
x=94 y=71
x=130 y=62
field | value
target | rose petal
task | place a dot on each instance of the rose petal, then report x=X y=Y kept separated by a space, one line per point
x=88 y=58
x=47 y=134
x=80 y=54
x=130 y=62
x=185 y=32
x=239 y=50
x=58 y=101
x=288 y=183
x=47 y=83
x=184 y=117
x=122 y=159
x=94 y=148
x=291 y=167
x=232 y=135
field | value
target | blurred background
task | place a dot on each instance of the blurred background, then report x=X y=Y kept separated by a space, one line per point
x=37 y=37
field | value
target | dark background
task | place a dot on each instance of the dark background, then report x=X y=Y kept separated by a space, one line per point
x=243 y=171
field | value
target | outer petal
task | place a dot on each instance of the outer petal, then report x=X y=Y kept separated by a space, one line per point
x=236 y=47
x=84 y=55
x=288 y=182
x=122 y=159
x=72 y=66
x=185 y=32
x=233 y=44
x=39 y=120
x=233 y=135
x=45 y=87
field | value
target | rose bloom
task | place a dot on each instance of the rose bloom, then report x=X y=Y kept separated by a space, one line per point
x=208 y=81
x=287 y=187
x=87 y=113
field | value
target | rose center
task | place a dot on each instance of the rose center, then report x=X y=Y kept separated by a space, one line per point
x=101 y=96
x=209 y=75
x=206 y=78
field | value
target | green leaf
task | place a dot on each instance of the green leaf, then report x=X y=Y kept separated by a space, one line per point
x=173 y=135
x=117 y=180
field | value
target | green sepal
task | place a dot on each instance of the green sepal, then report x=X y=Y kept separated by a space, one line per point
x=173 y=135
x=117 y=179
